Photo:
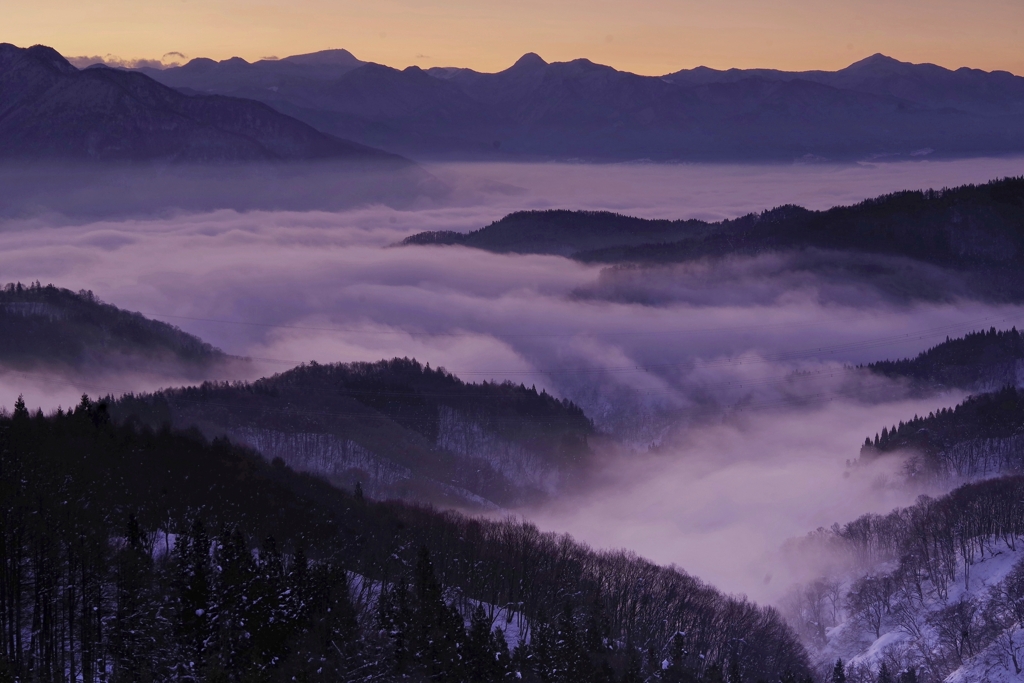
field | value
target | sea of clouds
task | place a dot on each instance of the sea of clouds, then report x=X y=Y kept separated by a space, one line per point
x=725 y=391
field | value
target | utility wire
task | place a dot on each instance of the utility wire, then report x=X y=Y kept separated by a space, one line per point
x=811 y=352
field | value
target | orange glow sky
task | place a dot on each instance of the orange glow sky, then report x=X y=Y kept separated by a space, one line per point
x=644 y=36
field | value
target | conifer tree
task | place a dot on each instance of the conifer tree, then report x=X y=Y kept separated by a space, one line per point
x=438 y=630
x=20 y=411
x=633 y=672
x=483 y=658
x=133 y=627
x=193 y=583
x=394 y=616
x=909 y=676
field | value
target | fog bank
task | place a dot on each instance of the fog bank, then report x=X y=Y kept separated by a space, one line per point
x=721 y=500
x=285 y=288
x=736 y=372
x=706 y=191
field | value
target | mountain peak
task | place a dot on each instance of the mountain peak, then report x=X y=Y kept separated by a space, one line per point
x=50 y=57
x=336 y=57
x=875 y=61
x=529 y=60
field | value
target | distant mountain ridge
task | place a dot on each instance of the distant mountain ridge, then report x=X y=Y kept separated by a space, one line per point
x=233 y=76
x=49 y=110
x=573 y=234
x=972 y=223
x=965 y=89
x=582 y=110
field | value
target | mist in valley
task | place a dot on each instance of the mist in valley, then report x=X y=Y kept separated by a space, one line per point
x=720 y=500
x=724 y=391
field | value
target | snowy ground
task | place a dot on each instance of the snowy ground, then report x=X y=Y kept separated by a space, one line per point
x=863 y=654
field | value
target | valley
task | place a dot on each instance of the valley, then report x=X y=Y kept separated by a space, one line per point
x=316 y=369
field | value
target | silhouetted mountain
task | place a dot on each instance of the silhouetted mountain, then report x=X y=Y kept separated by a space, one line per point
x=396 y=427
x=579 y=109
x=976 y=229
x=969 y=226
x=239 y=78
x=50 y=110
x=971 y=90
x=566 y=233
x=48 y=327
x=979 y=361
x=155 y=556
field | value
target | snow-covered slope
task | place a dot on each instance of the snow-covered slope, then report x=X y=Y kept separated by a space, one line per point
x=970 y=636
x=934 y=592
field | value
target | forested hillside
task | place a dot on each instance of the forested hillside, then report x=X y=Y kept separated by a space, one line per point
x=981 y=437
x=929 y=593
x=128 y=554
x=566 y=233
x=46 y=326
x=974 y=228
x=985 y=360
x=398 y=428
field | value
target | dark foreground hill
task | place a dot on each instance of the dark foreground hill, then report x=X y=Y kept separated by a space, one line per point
x=133 y=555
x=397 y=428
x=582 y=110
x=50 y=110
x=46 y=327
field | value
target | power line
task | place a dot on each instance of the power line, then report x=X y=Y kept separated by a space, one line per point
x=504 y=334
x=811 y=352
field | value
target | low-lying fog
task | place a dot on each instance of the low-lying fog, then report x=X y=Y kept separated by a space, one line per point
x=695 y=360
x=722 y=498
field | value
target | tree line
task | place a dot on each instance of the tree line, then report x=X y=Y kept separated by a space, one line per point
x=134 y=554
x=979 y=360
x=981 y=436
x=44 y=324
x=501 y=442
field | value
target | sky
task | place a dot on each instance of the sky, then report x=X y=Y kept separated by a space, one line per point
x=651 y=37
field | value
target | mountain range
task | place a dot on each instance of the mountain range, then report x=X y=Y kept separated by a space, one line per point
x=581 y=110
x=50 y=110
x=332 y=106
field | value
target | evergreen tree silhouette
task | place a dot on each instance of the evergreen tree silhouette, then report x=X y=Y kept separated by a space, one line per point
x=839 y=672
